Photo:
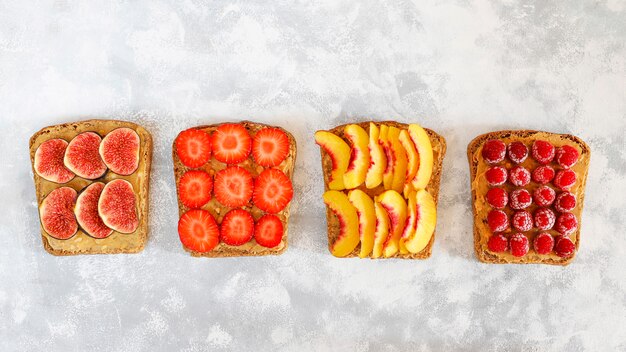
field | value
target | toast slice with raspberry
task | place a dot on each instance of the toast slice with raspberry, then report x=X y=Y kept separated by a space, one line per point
x=524 y=192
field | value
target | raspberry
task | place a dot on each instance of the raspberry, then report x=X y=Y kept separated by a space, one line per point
x=519 y=176
x=544 y=196
x=498 y=243
x=543 y=151
x=565 y=179
x=520 y=199
x=565 y=202
x=544 y=219
x=543 y=243
x=566 y=156
x=564 y=247
x=519 y=244
x=496 y=175
x=498 y=220
x=494 y=151
x=522 y=221
x=518 y=152
x=566 y=223
x=543 y=174
x=497 y=198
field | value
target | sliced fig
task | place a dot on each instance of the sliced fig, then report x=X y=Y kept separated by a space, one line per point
x=57 y=213
x=120 y=150
x=82 y=156
x=117 y=206
x=49 y=161
x=86 y=211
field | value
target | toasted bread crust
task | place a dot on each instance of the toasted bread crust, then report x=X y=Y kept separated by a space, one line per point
x=117 y=242
x=439 y=151
x=481 y=253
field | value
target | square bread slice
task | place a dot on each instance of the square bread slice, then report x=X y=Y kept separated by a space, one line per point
x=81 y=243
x=479 y=186
x=218 y=210
x=438 y=144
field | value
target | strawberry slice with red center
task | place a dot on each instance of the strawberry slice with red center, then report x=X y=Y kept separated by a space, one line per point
x=268 y=231
x=194 y=188
x=270 y=147
x=198 y=230
x=193 y=147
x=231 y=143
x=272 y=191
x=237 y=227
x=233 y=186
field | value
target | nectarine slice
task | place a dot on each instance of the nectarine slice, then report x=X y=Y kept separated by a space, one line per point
x=378 y=161
x=411 y=220
x=339 y=152
x=425 y=151
x=359 y=156
x=400 y=160
x=385 y=143
x=367 y=220
x=395 y=206
x=346 y=213
x=382 y=230
x=426 y=215
x=413 y=159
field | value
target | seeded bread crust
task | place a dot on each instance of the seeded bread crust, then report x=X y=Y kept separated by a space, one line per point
x=81 y=242
x=439 y=150
x=523 y=135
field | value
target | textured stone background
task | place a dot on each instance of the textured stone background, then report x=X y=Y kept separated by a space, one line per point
x=459 y=67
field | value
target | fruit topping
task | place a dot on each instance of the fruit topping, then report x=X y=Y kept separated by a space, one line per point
x=348 y=236
x=518 y=152
x=543 y=174
x=543 y=243
x=359 y=156
x=494 y=151
x=413 y=158
x=194 y=188
x=272 y=191
x=566 y=156
x=198 y=230
x=420 y=139
x=399 y=162
x=496 y=175
x=519 y=245
x=543 y=151
x=270 y=147
x=193 y=147
x=237 y=227
x=119 y=150
x=339 y=153
x=396 y=208
x=82 y=156
x=117 y=206
x=57 y=213
x=367 y=220
x=231 y=143
x=425 y=222
x=498 y=243
x=565 y=202
x=565 y=179
x=49 y=161
x=544 y=196
x=378 y=161
x=498 y=221
x=233 y=186
x=520 y=199
x=564 y=247
x=522 y=221
x=497 y=198
x=566 y=224
x=86 y=211
x=268 y=231
x=382 y=230
x=544 y=219
x=519 y=176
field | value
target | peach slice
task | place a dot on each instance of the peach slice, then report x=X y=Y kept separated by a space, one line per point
x=426 y=216
x=359 y=156
x=382 y=230
x=411 y=154
x=411 y=220
x=395 y=206
x=425 y=151
x=367 y=220
x=346 y=213
x=378 y=162
x=383 y=139
x=400 y=162
x=339 y=152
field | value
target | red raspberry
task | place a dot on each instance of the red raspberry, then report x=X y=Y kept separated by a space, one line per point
x=565 y=179
x=518 y=152
x=564 y=247
x=543 y=243
x=496 y=175
x=544 y=219
x=543 y=174
x=565 y=202
x=498 y=220
x=522 y=221
x=519 y=244
x=519 y=176
x=543 y=151
x=566 y=224
x=544 y=196
x=498 y=243
x=494 y=151
x=520 y=199
x=566 y=156
x=497 y=198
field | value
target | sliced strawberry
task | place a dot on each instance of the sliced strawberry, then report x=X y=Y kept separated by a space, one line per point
x=194 y=188
x=268 y=231
x=198 y=230
x=270 y=147
x=272 y=191
x=193 y=147
x=233 y=186
x=231 y=143
x=237 y=227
